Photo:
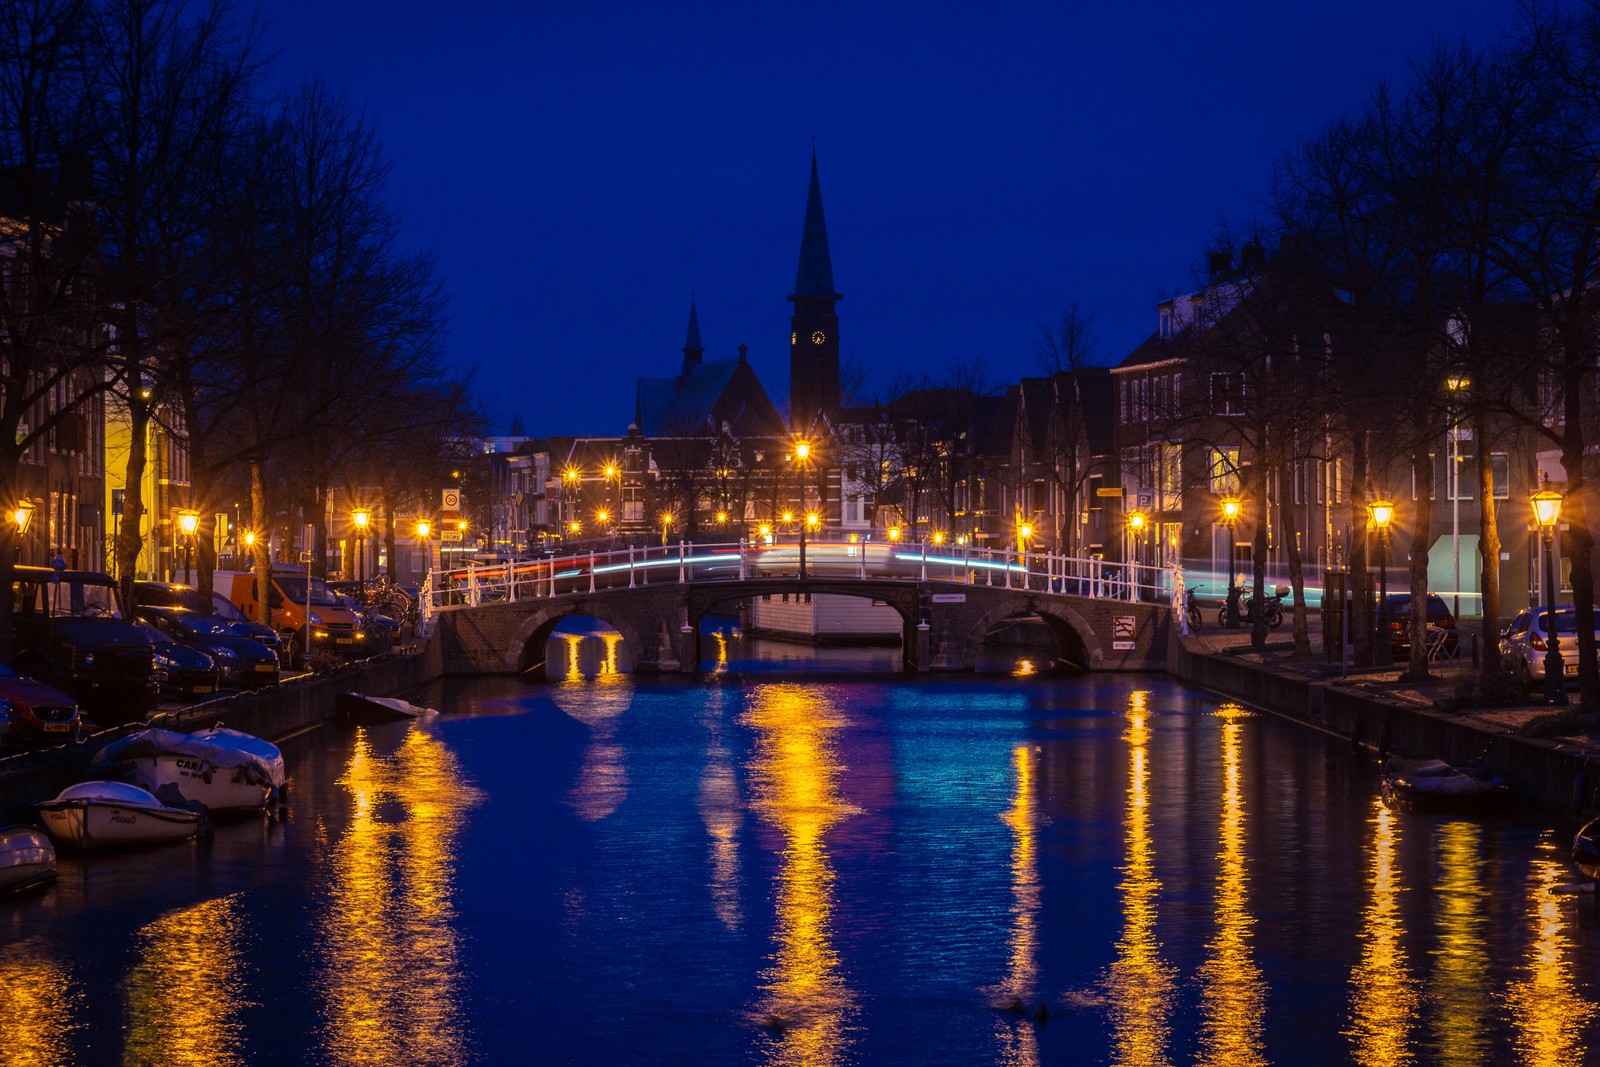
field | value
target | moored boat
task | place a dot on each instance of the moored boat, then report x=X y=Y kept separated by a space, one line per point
x=1586 y=849
x=27 y=858
x=99 y=814
x=359 y=707
x=226 y=770
x=1434 y=785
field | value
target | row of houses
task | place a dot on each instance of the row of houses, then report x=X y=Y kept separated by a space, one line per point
x=1128 y=462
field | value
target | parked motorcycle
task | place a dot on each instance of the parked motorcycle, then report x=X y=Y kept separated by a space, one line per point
x=1247 y=612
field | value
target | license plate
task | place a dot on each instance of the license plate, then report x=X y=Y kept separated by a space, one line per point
x=264 y=667
x=1572 y=668
x=344 y=640
x=55 y=727
x=202 y=689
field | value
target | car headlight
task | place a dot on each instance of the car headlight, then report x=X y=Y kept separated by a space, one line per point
x=161 y=660
x=316 y=620
x=88 y=659
x=7 y=708
x=224 y=653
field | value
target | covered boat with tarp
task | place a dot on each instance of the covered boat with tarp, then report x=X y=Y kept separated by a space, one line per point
x=1434 y=785
x=361 y=708
x=27 y=858
x=226 y=770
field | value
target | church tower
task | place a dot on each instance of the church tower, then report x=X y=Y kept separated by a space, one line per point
x=814 y=325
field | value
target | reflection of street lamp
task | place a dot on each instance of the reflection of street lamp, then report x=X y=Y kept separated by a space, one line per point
x=1382 y=512
x=360 y=517
x=188 y=523
x=1547 y=513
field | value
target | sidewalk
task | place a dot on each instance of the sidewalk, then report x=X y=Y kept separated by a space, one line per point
x=1437 y=693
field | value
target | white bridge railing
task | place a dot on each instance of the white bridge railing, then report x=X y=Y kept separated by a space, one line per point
x=821 y=556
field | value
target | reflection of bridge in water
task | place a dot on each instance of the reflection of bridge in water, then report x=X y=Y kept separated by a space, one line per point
x=497 y=618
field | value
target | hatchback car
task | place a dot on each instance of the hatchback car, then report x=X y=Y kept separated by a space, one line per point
x=242 y=661
x=184 y=671
x=1524 y=643
x=34 y=713
x=177 y=595
x=1397 y=615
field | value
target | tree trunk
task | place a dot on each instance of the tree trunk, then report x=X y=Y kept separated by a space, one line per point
x=1421 y=533
x=130 y=538
x=1361 y=602
x=1258 y=629
x=1297 y=581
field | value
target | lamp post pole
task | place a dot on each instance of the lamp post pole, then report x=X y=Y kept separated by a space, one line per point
x=1382 y=512
x=1547 y=513
x=1230 y=515
x=1457 y=383
x=22 y=516
x=360 y=517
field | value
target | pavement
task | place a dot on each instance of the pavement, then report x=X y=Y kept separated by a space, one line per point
x=1440 y=691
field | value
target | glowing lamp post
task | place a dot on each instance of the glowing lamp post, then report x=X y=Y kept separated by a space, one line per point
x=1457 y=383
x=360 y=518
x=1231 y=507
x=22 y=515
x=1547 y=514
x=666 y=525
x=894 y=533
x=1137 y=520
x=188 y=523
x=424 y=528
x=1382 y=513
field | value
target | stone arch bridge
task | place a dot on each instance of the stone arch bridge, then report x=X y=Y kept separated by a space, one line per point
x=944 y=621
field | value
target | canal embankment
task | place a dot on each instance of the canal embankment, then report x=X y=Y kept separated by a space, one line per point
x=1381 y=712
x=295 y=704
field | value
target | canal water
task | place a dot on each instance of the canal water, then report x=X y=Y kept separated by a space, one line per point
x=770 y=869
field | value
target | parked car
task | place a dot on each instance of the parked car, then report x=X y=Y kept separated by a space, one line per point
x=381 y=632
x=72 y=633
x=34 y=713
x=1397 y=614
x=241 y=661
x=177 y=595
x=1524 y=643
x=185 y=672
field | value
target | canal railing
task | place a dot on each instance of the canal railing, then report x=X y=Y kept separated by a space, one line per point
x=827 y=554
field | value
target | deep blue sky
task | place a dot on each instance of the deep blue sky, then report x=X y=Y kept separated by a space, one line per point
x=580 y=169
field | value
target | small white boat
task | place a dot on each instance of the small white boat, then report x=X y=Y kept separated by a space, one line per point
x=27 y=858
x=105 y=814
x=226 y=770
x=358 y=707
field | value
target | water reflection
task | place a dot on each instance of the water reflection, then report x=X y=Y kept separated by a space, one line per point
x=1140 y=983
x=1458 y=987
x=1548 y=1014
x=807 y=1005
x=723 y=814
x=39 y=1008
x=1232 y=994
x=186 y=995
x=598 y=703
x=1383 y=995
x=1018 y=1038
x=392 y=980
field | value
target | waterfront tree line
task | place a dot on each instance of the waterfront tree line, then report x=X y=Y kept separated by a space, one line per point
x=211 y=264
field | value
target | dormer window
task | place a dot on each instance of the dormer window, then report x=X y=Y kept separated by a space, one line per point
x=1166 y=322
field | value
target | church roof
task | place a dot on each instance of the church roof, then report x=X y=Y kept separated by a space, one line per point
x=703 y=398
x=815 y=275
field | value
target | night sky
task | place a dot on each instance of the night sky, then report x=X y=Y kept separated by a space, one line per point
x=581 y=170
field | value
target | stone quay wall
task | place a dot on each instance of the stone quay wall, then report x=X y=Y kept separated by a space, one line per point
x=272 y=713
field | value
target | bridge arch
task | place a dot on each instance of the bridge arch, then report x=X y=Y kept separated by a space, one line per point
x=526 y=649
x=1076 y=642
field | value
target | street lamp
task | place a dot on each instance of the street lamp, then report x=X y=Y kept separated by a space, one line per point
x=360 y=517
x=666 y=525
x=1458 y=383
x=424 y=528
x=1136 y=524
x=1547 y=513
x=22 y=515
x=894 y=533
x=1382 y=513
x=1231 y=507
x=188 y=523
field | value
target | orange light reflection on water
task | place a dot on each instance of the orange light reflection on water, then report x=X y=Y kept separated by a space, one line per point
x=598 y=702
x=391 y=975
x=1018 y=1038
x=807 y=1005
x=1232 y=995
x=1383 y=993
x=723 y=814
x=1457 y=986
x=1548 y=1014
x=1139 y=983
x=185 y=995
x=39 y=1007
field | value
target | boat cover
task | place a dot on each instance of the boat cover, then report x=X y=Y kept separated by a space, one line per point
x=261 y=760
x=110 y=792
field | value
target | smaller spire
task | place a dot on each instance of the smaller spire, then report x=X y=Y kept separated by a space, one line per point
x=692 y=348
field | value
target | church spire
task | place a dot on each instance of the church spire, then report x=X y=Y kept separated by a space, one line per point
x=692 y=348
x=815 y=275
x=814 y=325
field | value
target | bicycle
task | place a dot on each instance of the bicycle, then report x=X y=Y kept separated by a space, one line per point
x=1192 y=609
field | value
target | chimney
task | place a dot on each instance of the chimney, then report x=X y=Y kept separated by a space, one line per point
x=1219 y=263
x=1251 y=256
